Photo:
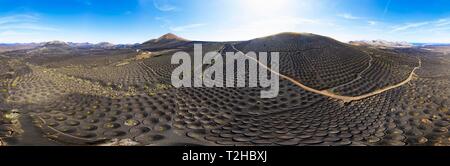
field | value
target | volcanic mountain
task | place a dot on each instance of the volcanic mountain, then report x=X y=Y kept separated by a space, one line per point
x=325 y=64
x=166 y=41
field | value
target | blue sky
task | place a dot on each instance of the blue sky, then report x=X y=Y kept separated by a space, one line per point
x=135 y=21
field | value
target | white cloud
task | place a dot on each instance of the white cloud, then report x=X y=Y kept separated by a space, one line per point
x=23 y=22
x=349 y=16
x=426 y=31
x=409 y=26
x=22 y=27
x=164 y=5
x=186 y=27
x=440 y=29
x=433 y=25
x=14 y=33
x=442 y=22
x=18 y=18
x=372 y=22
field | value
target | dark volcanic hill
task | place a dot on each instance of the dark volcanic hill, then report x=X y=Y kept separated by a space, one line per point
x=166 y=41
x=169 y=37
x=288 y=41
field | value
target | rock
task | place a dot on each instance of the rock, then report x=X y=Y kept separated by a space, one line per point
x=425 y=121
x=443 y=109
x=11 y=116
x=131 y=122
x=120 y=142
x=422 y=140
x=144 y=55
x=445 y=103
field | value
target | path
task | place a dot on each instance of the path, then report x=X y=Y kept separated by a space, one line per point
x=332 y=95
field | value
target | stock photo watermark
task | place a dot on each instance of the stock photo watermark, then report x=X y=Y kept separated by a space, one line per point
x=235 y=69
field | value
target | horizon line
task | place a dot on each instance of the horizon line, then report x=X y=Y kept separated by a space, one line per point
x=114 y=43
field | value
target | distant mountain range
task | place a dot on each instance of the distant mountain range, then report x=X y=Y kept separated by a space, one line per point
x=170 y=40
x=17 y=46
x=393 y=44
x=381 y=43
x=20 y=46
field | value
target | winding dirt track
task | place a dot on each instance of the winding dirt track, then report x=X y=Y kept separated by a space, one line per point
x=332 y=95
x=357 y=78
